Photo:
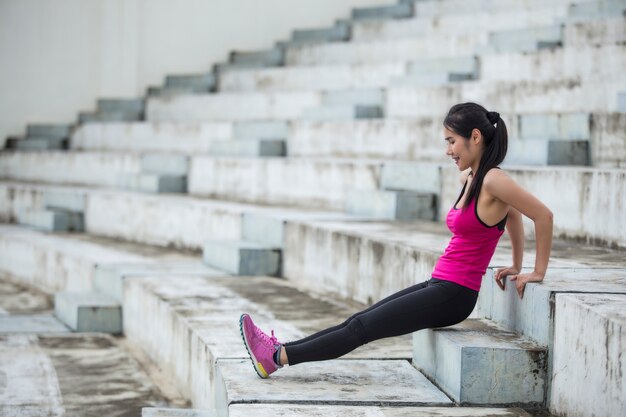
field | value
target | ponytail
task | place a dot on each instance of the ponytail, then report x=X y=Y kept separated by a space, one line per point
x=465 y=117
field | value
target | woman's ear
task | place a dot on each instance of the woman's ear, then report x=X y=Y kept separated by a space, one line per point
x=476 y=137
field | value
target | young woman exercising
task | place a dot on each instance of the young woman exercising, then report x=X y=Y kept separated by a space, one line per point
x=489 y=202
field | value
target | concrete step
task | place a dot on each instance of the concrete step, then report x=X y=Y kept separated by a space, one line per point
x=260 y=130
x=134 y=105
x=395 y=383
x=67 y=200
x=392 y=205
x=524 y=14
x=175 y=412
x=572 y=126
x=110 y=116
x=596 y=9
x=54 y=263
x=301 y=182
x=88 y=312
x=526 y=40
x=550 y=152
x=197 y=82
x=475 y=362
x=88 y=168
x=395 y=11
x=150 y=136
x=451 y=7
x=242 y=258
x=31 y=323
x=337 y=112
x=254 y=148
x=231 y=107
x=598 y=32
x=453 y=66
x=153 y=183
x=268 y=58
x=109 y=278
x=600 y=390
x=165 y=164
x=164 y=91
x=338 y=33
x=39 y=143
x=328 y=77
x=269 y=410
x=49 y=130
x=361 y=97
x=621 y=102
x=52 y=220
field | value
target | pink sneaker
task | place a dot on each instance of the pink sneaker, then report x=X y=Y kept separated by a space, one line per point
x=260 y=347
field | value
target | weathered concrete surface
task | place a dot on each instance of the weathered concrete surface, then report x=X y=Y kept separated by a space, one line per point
x=338 y=112
x=54 y=263
x=608 y=147
x=175 y=412
x=70 y=375
x=52 y=220
x=525 y=39
x=287 y=410
x=152 y=183
x=242 y=257
x=149 y=136
x=313 y=183
x=231 y=107
x=353 y=382
x=88 y=311
x=17 y=298
x=589 y=365
x=87 y=168
x=196 y=324
x=336 y=77
x=249 y=148
x=475 y=362
x=31 y=323
x=392 y=205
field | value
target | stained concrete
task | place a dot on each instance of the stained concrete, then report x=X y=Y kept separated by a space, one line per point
x=31 y=323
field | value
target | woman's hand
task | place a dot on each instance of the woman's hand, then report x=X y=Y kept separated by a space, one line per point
x=522 y=279
x=503 y=272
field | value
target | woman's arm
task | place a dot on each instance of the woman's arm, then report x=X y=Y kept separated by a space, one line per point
x=502 y=187
x=515 y=229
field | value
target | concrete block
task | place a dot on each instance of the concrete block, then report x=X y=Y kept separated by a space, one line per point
x=165 y=164
x=32 y=323
x=589 y=342
x=52 y=220
x=183 y=138
x=621 y=102
x=197 y=82
x=596 y=10
x=420 y=177
x=102 y=117
x=64 y=200
x=50 y=131
x=175 y=412
x=474 y=362
x=607 y=140
x=568 y=152
x=263 y=229
x=428 y=8
x=249 y=148
x=173 y=91
x=153 y=183
x=526 y=40
x=34 y=143
x=337 y=33
x=453 y=66
x=260 y=130
x=342 y=112
x=392 y=205
x=88 y=312
x=268 y=58
x=396 y=11
x=598 y=32
x=242 y=258
x=374 y=97
x=575 y=126
x=109 y=278
x=237 y=107
x=135 y=105
x=271 y=410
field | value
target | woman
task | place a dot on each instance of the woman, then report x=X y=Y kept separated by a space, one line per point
x=489 y=201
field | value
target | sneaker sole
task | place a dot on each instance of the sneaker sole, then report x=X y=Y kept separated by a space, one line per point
x=258 y=367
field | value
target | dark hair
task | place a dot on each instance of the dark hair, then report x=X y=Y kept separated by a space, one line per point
x=465 y=117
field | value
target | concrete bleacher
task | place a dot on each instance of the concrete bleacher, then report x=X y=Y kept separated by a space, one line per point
x=312 y=161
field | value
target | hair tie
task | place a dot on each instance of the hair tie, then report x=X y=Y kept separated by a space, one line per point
x=493 y=117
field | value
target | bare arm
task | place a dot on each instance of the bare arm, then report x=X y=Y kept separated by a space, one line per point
x=515 y=229
x=502 y=187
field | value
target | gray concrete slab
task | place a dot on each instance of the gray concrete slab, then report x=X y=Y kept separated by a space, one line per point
x=204 y=82
x=525 y=40
x=253 y=148
x=88 y=312
x=342 y=112
x=392 y=205
x=132 y=105
x=50 y=220
x=17 y=298
x=270 y=57
x=345 y=382
x=32 y=323
x=339 y=32
x=242 y=258
x=396 y=11
x=153 y=183
x=260 y=130
x=574 y=126
x=175 y=412
x=41 y=144
x=49 y=130
x=65 y=200
x=288 y=410
x=165 y=164
x=621 y=102
x=360 y=97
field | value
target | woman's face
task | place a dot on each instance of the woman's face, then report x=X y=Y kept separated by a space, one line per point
x=461 y=150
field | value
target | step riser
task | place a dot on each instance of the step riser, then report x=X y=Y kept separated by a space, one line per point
x=242 y=261
x=103 y=117
x=51 y=131
x=121 y=106
x=40 y=144
x=204 y=82
x=342 y=112
x=260 y=130
x=398 y=11
x=52 y=221
x=392 y=205
x=95 y=313
x=249 y=148
x=340 y=32
x=165 y=164
x=552 y=152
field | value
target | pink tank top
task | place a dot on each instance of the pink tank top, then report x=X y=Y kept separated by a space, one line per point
x=471 y=247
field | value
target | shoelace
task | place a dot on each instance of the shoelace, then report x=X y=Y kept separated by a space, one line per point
x=273 y=340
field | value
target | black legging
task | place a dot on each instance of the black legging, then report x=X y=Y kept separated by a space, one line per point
x=430 y=304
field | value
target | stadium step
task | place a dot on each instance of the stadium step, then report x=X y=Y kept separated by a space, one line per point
x=596 y=9
x=260 y=130
x=242 y=258
x=31 y=323
x=51 y=220
x=197 y=82
x=392 y=205
x=153 y=183
x=330 y=112
x=110 y=116
x=621 y=102
x=475 y=362
x=255 y=148
x=37 y=143
x=395 y=11
x=526 y=40
x=88 y=312
x=339 y=32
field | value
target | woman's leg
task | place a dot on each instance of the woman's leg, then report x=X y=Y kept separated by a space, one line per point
x=436 y=304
